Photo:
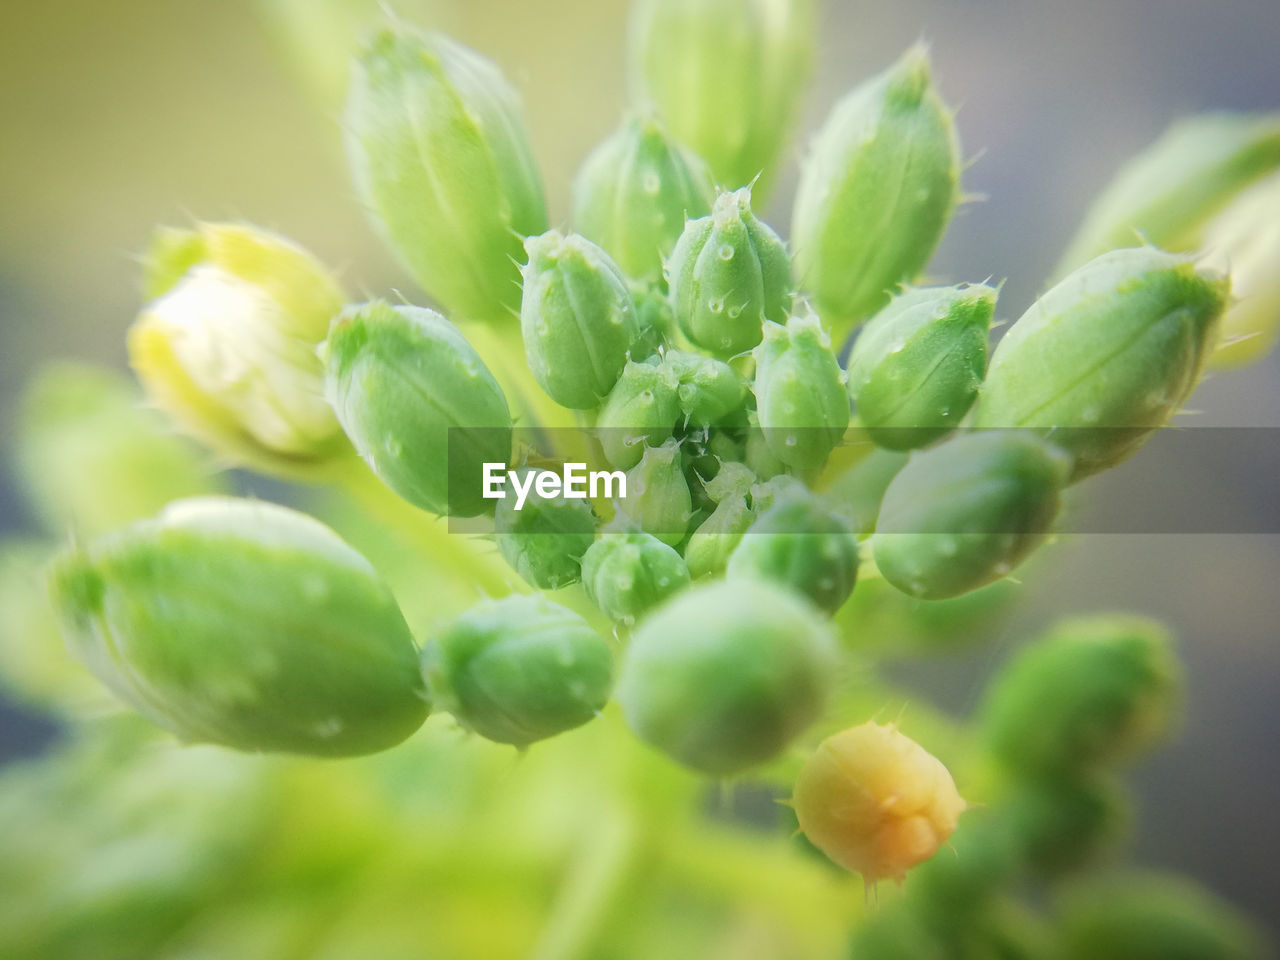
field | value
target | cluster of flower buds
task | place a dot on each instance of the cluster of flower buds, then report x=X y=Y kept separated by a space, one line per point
x=698 y=353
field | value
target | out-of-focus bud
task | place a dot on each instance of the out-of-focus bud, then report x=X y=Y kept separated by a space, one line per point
x=1091 y=693
x=725 y=75
x=577 y=317
x=654 y=317
x=1244 y=241
x=92 y=458
x=1064 y=825
x=634 y=193
x=244 y=624
x=1153 y=917
x=876 y=192
x=729 y=273
x=35 y=665
x=1168 y=193
x=801 y=543
x=758 y=453
x=916 y=367
x=724 y=676
x=1107 y=356
x=642 y=409
x=441 y=159
x=545 y=540
x=626 y=574
x=418 y=403
x=966 y=513
x=707 y=390
x=520 y=669
x=658 y=499
x=227 y=346
x=801 y=400
x=875 y=801
x=860 y=489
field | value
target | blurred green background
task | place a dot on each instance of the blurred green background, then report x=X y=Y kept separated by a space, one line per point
x=118 y=116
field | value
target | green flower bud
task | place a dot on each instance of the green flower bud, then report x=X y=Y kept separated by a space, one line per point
x=1090 y=693
x=800 y=393
x=1110 y=353
x=711 y=545
x=732 y=480
x=654 y=317
x=724 y=676
x=951 y=891
x=1150 y=917
x=1066 y=825
x=1165 y=195
x=642 y=409
x=92 y=458
x=915 y=369
x=227 y=345
x=876 y=192
x=729 y=273
x=1245 y=241
x=634 y=193
x=519 y=669
x=418 y=403
x=545 y=540
x=441 y=159
x=966 y=513
x=801 y=543
x=758 y=454
x=725 y=75
x=707 y=390
x=628 y=573
x=658 y=498
x=35 y=665
x=244 y=624
x=578 y=319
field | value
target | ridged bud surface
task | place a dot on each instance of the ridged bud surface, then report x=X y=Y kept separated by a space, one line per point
x=418 y=403
x=634 y=193
x=876 y=192
x=578 y=319
x=729 y=273
x=440 y=156
x=916 y=367
x=1109 y=354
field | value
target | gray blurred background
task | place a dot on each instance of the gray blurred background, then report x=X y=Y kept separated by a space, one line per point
x=118 y=116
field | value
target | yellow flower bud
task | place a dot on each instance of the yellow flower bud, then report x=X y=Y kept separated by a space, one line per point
x=227 y=347
x=875 y=801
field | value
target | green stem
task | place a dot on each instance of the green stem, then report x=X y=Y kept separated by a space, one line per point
x=593 y=890
x=429 y=535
